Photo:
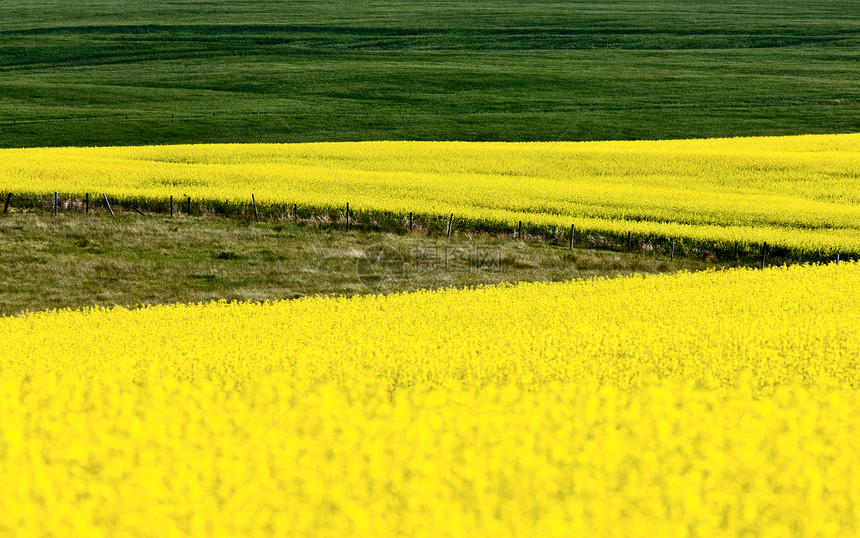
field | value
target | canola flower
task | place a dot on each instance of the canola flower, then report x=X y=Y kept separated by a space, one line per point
x=799 y=192
x=679 y=405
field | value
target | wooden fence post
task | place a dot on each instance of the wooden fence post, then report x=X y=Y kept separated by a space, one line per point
x=108 y=204
x=572 y=233
x=296 y=212
x=410 y=222
x=347 y=216
x=171 y=205
x=628 y=241
x=55 y=204
x=837 y=259
x=8 y=199
x=87 y=203
x=256 y=214
x=189 y=206
x=450 y=225
x=520 y=231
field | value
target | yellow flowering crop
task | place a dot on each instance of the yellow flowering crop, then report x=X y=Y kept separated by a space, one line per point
x=799 y=192
x=718 y=403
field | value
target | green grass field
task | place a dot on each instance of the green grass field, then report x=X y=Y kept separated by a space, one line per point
x=76 y=260
x=122 y=72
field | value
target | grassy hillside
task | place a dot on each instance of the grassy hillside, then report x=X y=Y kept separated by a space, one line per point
x=123 y=72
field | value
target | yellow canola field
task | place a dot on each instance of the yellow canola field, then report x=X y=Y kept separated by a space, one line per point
x=800 y=192
x=719 y=403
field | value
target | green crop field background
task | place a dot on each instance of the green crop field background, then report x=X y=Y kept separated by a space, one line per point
x=123 y=72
